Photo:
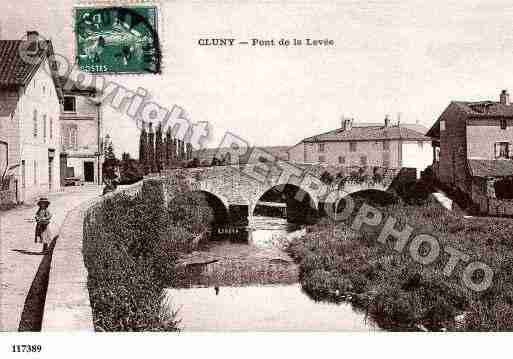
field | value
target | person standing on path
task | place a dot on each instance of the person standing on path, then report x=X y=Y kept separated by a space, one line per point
x=43 y=217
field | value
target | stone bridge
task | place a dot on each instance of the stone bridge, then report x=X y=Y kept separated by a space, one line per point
x=245 y=185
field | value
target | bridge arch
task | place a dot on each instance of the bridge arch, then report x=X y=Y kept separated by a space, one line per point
x=340 y=202
x=290 y=190
x=216 y=201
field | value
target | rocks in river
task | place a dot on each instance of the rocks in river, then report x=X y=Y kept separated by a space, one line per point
x=279 y=261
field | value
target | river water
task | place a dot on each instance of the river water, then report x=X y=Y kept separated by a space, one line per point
x=243 y=280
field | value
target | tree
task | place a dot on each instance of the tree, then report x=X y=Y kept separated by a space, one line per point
x=159 y=150
x=169 y=147
x=143 y=143
x=130 y=171
x=110 y=166
x=150 y=159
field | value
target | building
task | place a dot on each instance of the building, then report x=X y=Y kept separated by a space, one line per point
x=80 y=128
x=472 y=146
x=29 y=115
x=367 y=145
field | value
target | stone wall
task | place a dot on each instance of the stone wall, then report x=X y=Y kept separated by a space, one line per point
x=483 y=196
x=7 y=198
x=238 y=185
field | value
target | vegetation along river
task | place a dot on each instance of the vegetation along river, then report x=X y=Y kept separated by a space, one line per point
x=243 y=279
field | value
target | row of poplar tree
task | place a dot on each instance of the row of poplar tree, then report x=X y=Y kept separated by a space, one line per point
x=158 y=150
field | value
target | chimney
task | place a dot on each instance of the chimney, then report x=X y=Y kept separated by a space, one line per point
x=504 y=98
x=33 y=44
x=387 y=121
x=347 y=123
x=32 y=36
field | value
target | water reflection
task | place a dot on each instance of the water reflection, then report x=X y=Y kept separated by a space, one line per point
x=242 y=279
x=261 y=308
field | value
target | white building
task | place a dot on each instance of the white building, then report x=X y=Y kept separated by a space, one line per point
x=29 y=116
x=367 y=145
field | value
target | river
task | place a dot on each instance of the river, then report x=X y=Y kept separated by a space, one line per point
x=243 y=280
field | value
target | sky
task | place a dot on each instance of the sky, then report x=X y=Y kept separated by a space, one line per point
x=389 y=57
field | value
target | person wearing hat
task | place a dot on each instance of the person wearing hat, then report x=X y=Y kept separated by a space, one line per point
x=43 y=217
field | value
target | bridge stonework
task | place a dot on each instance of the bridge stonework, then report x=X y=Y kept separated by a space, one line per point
x=244 y=185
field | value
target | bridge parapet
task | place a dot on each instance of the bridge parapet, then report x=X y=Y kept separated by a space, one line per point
x=244 y=185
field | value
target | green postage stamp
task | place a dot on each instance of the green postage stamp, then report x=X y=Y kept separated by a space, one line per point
x=117 y=39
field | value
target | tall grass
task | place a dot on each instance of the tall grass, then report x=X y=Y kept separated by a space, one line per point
x=400 y=294
x=130 y=248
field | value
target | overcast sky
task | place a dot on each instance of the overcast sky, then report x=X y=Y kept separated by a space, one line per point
x=411 y=57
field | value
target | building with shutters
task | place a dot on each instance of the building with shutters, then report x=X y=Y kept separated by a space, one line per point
x=473 y=152
x=29 y=115
x=81 y=134
x=367 y=145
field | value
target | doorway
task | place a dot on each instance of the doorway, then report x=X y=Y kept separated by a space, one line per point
x=89 y=171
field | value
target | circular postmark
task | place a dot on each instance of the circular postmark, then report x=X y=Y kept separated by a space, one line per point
x=117 y=39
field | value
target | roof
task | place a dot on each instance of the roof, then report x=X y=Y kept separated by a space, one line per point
x=485 y=109
x=476 y=109
x=71 y=87
x=14 y=70
x=490 y=168
x=370 y=133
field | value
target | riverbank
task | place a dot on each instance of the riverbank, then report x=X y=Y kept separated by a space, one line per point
x=338 y=263
x=131 y=243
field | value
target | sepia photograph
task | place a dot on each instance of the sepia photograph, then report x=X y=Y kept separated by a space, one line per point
x=310 y=171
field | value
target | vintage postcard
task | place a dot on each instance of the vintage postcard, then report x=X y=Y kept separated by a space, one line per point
x=257 y=166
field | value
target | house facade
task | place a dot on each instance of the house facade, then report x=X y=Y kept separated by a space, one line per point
x=367 y=145
x=81 y=134
x=472 y=148
x=29 y=115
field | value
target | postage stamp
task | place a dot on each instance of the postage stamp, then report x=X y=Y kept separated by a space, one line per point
x=117 y=39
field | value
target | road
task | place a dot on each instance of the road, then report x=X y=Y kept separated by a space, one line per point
x=20 y=257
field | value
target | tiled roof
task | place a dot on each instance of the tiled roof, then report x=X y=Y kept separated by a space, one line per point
x=14 y=70
x=70 y=86
x=369 y=133
x=490 y=168
x=485 y=109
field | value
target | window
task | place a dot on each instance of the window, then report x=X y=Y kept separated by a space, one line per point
x=502 y=150
x=321 y=147
x=322 y=159
x=363 y=160
x=420 y=144
x=44 y=89
x=442 y=125
x=386 y=145
x=70 y=104
x=35 y=123
x=51 y=127
x=386 y=159
x=44 y=127
x=437 y=154
x=35 y=172
x=504 y=124
x=352 y=146
x=3 y=156
x=341 y=160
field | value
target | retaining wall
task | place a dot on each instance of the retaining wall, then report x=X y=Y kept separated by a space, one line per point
x=67 y=306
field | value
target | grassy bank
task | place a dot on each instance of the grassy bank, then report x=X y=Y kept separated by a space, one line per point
x=399 y=293
x=130 y=247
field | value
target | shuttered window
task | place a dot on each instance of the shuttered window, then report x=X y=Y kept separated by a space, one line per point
x=34 y=123
x=502 y=150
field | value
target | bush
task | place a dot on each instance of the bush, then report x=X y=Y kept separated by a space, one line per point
x=399 y=293
x=130 y=249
